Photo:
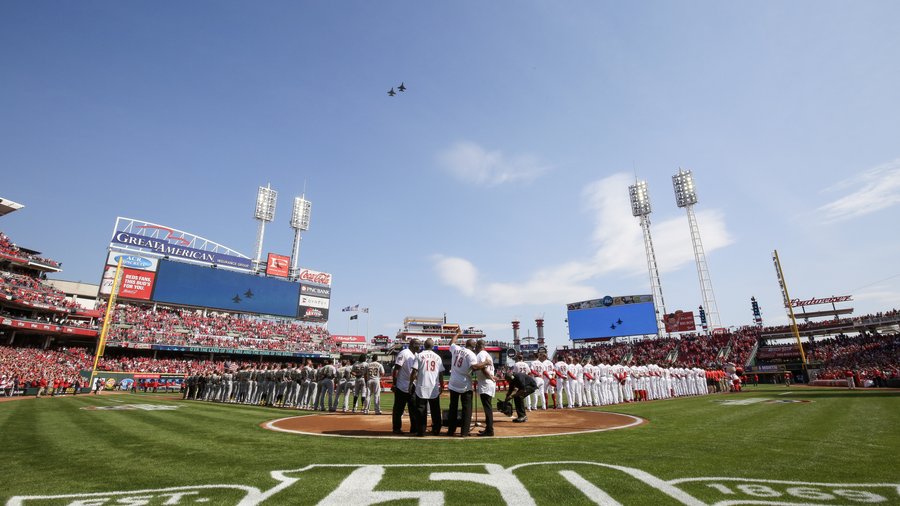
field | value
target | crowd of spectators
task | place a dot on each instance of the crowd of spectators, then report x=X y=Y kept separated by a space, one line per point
x=26 y=288
x=51 y=370
x=135 y=324
x=7 y=247
x=836 y=322
x=689 y=350
x=872 y=356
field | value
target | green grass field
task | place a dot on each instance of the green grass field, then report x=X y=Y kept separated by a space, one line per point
x=841 y=448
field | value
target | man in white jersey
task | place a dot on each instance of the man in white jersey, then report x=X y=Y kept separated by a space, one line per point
x=549 y=371
x=487 y=387
x=576 y=373
x=562 y=381
x=537 y=372
x=426 y=385
x=463 y=362
x=404 y=365
x=521 y=366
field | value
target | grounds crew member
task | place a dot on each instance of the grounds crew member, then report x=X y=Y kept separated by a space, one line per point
x=519 y=386
x=426 y=387
x=404 y=365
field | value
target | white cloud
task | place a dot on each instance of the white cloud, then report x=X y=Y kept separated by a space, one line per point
x=877 y=189
x=470 y=163
x=618 y=249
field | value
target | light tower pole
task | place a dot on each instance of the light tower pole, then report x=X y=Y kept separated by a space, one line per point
x=686 y=197
x=640 y=207
x=300 y=223
x=265 y=213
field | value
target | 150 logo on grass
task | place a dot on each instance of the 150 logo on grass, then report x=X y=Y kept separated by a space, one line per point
x=527 y=484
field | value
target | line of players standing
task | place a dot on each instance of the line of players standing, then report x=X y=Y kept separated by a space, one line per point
x=319 y=387
x=589 y=383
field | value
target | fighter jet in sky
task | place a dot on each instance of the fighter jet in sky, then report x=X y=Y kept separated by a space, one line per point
x=248 y=294
x=401 y=87
x=392 y=92
x=613 y=326
x=619 y=322
x=236 y=298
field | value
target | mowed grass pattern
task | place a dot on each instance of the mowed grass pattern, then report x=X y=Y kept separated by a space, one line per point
x=52 y=446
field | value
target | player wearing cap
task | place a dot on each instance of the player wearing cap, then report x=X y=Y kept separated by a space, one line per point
x=426 y=388
x=404 y=364
x=562 y=380
x=373 y=383
x=359 y=380
x=549 y=371
x=537 y=372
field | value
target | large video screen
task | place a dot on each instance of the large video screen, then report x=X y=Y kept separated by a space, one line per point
x=195 y=285
x=598 y=319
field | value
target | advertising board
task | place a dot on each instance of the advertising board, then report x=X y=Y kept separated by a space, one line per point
x=195 y=285
x=278 y=265
x=311 y=277
x=135 y=284
x=130 y=261
x=680 y=321
x=608 y=317
x=319 y=302
x=315 y=291
x=349 y=339
x=313 y=314
x=176 y=247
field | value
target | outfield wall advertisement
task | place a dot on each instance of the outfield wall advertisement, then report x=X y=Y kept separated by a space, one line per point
x=601 y=319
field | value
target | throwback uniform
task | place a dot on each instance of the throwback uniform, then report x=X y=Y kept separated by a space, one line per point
x=460 y=389
x=404 y=364
x=487 y=388
x=429 y=368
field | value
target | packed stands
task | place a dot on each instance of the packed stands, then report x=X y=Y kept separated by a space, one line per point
x=29 y=291
x=871 y=356
x=10 y=251
x=134 y=324
x=882 y=317
x=688 y=351
x=33 y=367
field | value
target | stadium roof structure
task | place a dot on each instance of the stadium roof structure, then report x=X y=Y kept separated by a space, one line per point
x=8 y=206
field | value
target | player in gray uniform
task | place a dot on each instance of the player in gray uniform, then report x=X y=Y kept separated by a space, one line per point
x=309 y=401
x=326 y=388
x=306 y=382
x=342 y=383
x=293 y=389
x=359 y=381
x=374 y=372
x=227 y=386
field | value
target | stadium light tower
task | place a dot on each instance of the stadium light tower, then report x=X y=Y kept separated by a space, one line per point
x=686 y=197
x=300 y=223
x=265 y=213
x=640 y=207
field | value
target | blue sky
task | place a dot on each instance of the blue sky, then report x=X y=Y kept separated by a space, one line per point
x=496 y=186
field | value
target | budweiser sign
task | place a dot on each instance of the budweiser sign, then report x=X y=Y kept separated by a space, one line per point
x=319 y=278
x=815 y=302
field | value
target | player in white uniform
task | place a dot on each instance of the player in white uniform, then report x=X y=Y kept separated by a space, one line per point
x=463 y=363
x=549 y=378
x=576 y=372
x=426 y=383
x=487 y=386
x=404 y=364
x=562 y=380
x=538 y=397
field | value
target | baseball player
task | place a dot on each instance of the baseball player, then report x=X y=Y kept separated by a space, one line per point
x=523 y=367
x=549 y=371
x=562 y=381
x=537 y=372
x=359 y=381
x=487 y=386
x=463 y=361
x=373 y=382
x=426 y=384
x=326 y=388
x=404 y=364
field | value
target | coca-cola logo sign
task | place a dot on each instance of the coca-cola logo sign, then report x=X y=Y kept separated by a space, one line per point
x=319 y=278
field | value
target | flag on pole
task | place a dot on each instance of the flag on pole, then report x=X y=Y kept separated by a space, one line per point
x=354 y=317
x=363 y=310
x=347 y=309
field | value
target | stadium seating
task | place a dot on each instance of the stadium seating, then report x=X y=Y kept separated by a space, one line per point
x=10 y=250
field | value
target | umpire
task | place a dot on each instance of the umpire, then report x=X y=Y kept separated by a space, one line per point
x=520 y=386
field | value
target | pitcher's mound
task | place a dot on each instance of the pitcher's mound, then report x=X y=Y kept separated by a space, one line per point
x=540 y=423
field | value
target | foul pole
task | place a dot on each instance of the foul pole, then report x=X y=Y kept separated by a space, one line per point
x=101 y=345
x=787 y=304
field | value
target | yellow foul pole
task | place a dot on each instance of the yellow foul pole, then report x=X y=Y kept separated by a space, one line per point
x=110 y=304
x=787 y=304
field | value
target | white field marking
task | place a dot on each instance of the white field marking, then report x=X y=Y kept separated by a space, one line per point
x=511 y=489
x=359 y=489
x=590 y=490
x=253 y=493
x=270 y=425
x=787 y=482
x=741 y=402
x=786 y=393
x=647 y=478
